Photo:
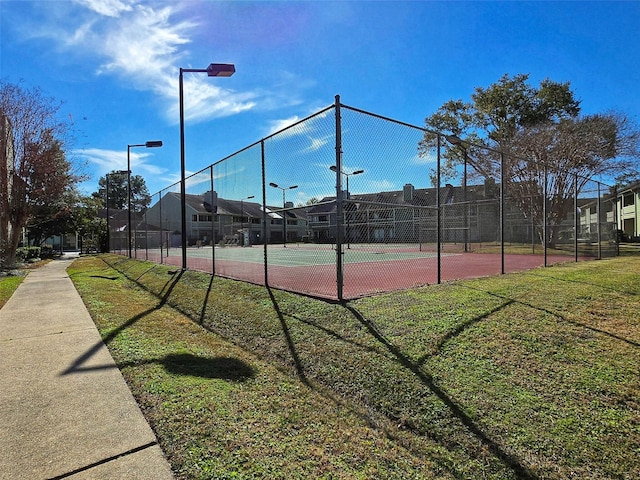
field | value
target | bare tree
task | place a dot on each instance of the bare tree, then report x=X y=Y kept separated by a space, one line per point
x=33 y=168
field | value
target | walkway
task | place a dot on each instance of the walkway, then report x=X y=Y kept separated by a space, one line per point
x=65 y=409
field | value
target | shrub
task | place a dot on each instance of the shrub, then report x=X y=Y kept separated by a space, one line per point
x=26 y=253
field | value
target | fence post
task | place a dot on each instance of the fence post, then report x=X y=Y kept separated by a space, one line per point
x=501 y=212
x=264 y=213
x=544 y=216
x=339 y=205
x=598 y=225
x=576 y=219
x=614 y=208
x=438 y=214
x=161 y=229
x=213 y=227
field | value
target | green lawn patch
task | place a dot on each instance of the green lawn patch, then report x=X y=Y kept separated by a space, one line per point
x=531 y=375
x=8 y=285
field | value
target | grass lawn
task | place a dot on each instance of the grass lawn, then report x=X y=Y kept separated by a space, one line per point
x=8 y=285
x=532 y=375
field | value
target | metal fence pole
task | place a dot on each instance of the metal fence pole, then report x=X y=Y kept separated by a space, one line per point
x=598 y=225
x=614 y=208
x=502 y=212
x=264 y=213
x=339 y=205
x=438 y=214
x=576 y=219
x=161 y=227
x=108 y=228
x=213 y=227
x=544 y=217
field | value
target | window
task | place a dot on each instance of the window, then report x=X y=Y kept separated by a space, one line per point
x=628 y=199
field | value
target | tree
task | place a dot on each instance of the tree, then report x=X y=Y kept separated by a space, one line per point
x=34 y=170
x=541 y=135
x=91 y=227
x=140 y=197
x=53 y=218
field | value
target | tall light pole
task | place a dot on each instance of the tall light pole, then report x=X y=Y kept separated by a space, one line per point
x=284 y=206
x=213 y=70
x=150 y=144
x=333 y=168
x=242 y=216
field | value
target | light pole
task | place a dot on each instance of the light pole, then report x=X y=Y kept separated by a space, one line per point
x=150 y=144
x=333 y=168
x=242 y=217
x=213 y=70
x=284 y=206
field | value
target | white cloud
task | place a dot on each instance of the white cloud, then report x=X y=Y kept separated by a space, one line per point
x=110 y=8
x=142 y=44
x=280 y=124
x=105 y=161
x=317 y=143
x=429 y=158
x=381 y=185
x=204 y=100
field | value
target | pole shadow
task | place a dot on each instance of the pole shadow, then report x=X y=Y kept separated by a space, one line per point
x=290 y=344
x=77 y=365
x=521 y=471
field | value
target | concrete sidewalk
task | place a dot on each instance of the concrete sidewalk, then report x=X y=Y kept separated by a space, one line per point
x=65 y=409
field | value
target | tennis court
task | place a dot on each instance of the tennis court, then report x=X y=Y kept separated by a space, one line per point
x=366 y=269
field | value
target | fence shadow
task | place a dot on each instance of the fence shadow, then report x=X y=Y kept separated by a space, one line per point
x=290 y=343
x=512 y=462
x=78 y=365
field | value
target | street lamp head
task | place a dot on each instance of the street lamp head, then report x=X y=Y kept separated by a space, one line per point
x=221 y=69
x=250 y=197
x=454 y=140
x=153 y=144
x=274 y=185
x=357 y=172
x=333 y=168
x=293 y=186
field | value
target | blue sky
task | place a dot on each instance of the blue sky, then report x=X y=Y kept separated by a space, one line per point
x=114 y=64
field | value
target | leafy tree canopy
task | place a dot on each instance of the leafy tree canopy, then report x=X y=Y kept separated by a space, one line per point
x=535 y=136
x=34 y=170
x=118 y=200
x=542 y=124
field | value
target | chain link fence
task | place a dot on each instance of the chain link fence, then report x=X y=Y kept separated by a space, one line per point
x=345 y=203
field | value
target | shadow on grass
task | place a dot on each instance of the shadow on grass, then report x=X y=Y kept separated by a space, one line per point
x=224 y=368
x=79 y=365
x=521 y=471
x=558 y=315
x=205 y=302
x=215 y=368
x=290 y=343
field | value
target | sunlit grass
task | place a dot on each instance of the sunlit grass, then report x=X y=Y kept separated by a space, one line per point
x=8 y=285
x=531 y=375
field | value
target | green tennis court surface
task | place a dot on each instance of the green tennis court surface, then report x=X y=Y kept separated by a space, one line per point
x=299 y=256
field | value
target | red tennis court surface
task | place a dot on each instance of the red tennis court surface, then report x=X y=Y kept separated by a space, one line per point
x=366 y=278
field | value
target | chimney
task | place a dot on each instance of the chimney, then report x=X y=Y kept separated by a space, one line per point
x=407 y=192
